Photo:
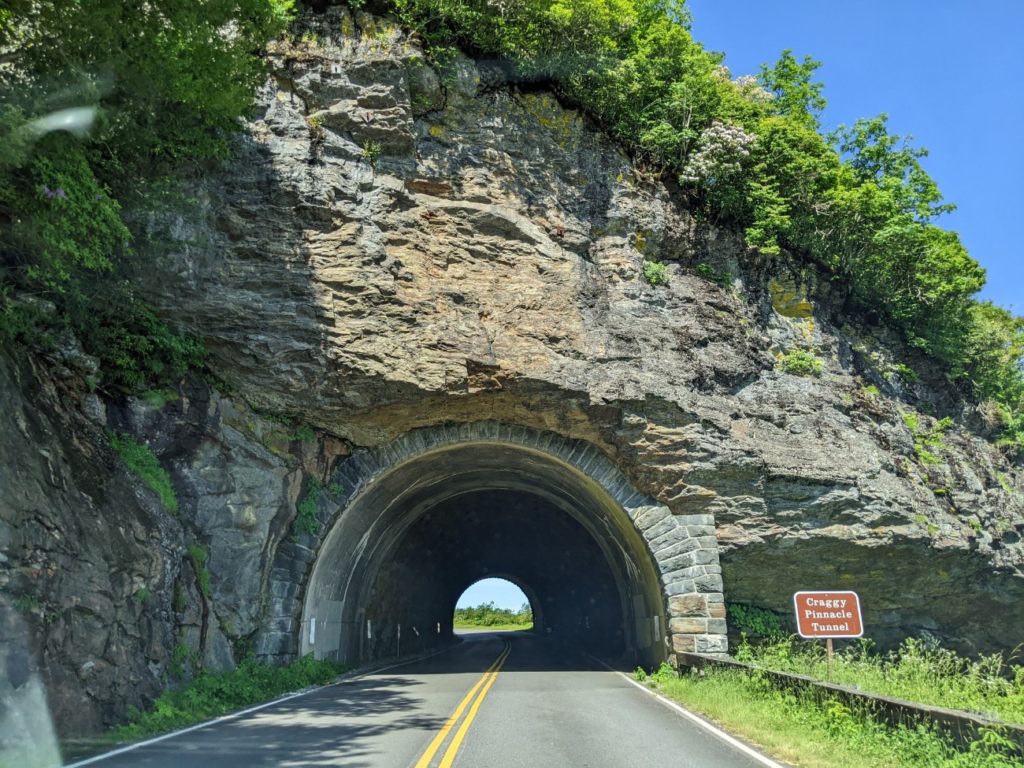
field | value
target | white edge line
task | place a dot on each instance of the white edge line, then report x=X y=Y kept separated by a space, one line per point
x=732 y=741
x=696 y=719
x=257 y=708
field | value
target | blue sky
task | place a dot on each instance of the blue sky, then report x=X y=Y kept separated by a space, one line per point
x=949 y=72
x=504 y=594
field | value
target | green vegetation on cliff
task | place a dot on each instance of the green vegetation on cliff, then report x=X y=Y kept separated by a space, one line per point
x=101 y=104
x=143 y=462
x=749 y=152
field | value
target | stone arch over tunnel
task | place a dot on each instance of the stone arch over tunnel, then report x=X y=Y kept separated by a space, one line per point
x=408 y=526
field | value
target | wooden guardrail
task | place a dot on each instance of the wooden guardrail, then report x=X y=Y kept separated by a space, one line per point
x=962 y=727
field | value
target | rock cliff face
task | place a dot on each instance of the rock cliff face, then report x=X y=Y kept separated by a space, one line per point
x=399 y=246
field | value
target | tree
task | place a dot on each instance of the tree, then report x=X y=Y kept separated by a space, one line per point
x=98 y=101
x=890 y=162
x=796 y=94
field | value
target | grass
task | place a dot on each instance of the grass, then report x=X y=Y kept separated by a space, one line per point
x=213 y=694
x=917 y=671
x=927 y=441
x=494 y=627
x=144 y=463
x=199 y=555
x=822 y=733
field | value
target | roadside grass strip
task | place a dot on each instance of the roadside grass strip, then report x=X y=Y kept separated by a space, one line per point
x=476 y=695
x=345 y=679
x=821 y=733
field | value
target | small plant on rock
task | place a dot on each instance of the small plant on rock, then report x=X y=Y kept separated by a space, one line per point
x=145 y=465
x=199 y=555
x=927 y=442
x=801 y=362
x=655 y=273
x=372 y=150
x=305 y=511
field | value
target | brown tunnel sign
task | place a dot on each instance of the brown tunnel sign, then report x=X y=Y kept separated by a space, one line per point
x=828 y=614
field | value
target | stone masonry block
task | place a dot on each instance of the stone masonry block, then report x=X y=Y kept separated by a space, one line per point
x=684 y=643
x=675 y=563
x=688 y=625
x=705 y=557
x=711 y=644
x=710 y=582
x=688 y=605
x=717 y=626
x=678 y=586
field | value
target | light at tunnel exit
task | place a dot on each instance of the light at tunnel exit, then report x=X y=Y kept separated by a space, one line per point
x=501 y=592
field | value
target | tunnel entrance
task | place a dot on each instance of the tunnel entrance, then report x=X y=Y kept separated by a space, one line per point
x=605 y=568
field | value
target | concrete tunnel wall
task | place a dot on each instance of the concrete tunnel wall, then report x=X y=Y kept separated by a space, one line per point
x=415 y=522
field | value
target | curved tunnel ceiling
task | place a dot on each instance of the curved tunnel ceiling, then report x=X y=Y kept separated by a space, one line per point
x=410 y=541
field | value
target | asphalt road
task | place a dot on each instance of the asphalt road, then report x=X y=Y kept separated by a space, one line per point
x=497 y=700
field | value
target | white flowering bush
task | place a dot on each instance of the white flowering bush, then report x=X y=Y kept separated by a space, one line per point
x=723 y=148
x=751 y=88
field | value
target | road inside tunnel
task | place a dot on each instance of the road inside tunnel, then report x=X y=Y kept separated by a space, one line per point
x=395 y=561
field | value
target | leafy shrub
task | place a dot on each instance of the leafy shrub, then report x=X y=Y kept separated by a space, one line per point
x=305 y=511
x=372 y=150
x=721 y=279
x=655 y=273
x=659 y=676
x=801 y=362
x=304 y=434
x=145 y=465
x=751 y=621
x=136 y=350
x=904 y=371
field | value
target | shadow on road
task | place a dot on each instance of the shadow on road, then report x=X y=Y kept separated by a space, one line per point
x=530 y=652
x=345 y=724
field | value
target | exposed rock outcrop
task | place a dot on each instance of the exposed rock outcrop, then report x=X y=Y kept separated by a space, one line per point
x=398 y=247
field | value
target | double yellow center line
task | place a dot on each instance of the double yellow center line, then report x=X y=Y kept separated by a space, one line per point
x=476 y=696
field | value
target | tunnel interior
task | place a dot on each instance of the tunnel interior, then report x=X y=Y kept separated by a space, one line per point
x=396 y=560
x=508 y=533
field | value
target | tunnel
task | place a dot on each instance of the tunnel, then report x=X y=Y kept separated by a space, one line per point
x=415 y=532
